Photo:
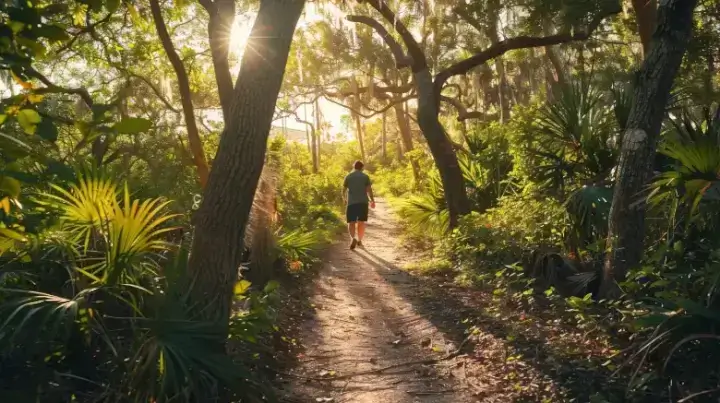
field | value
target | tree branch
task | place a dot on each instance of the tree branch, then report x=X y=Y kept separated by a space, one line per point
x=150 y=84
x=52 y=88
x=415 y=52
x=463 y=113
x=185 y=96
x=375 y=111
x=463 y=13
x=401 y=59
x=90 y=28
x=519 y=42
x=221 y=16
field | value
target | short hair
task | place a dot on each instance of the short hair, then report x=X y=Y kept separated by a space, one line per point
x=358 y=165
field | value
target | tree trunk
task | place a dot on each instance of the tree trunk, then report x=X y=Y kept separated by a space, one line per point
x=359 y=134
x=220 y=222
x=645 y=16
x=652 y=89
x=196 y=147
x=318 y=133
x=441 y=148
x=406 y=136
x=492 y=32
x=384 y=140
x=222 y=16
x=313 y=150
x=557 y=65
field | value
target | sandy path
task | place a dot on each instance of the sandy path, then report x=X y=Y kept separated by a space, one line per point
x=364 y=320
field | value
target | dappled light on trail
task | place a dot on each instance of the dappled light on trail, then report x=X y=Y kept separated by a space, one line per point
x=374 y=335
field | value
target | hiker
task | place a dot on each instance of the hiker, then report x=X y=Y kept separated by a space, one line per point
x=357 y=192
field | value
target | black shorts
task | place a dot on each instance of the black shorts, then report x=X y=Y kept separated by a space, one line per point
x=357 y=212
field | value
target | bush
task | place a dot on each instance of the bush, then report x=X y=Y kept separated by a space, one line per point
x=96 y=307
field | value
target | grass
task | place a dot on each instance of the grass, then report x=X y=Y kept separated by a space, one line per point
x=430 y=267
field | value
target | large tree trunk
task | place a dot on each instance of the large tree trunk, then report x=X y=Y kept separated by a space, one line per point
x=645 y=15
x=220 y=223
x=196 y=147
x=441 y=148
x=652 y=89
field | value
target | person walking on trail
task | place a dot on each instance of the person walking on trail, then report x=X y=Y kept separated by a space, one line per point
x=358 y=195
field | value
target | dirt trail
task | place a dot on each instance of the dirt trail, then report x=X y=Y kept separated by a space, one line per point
x=364 y=324
x=373 y=333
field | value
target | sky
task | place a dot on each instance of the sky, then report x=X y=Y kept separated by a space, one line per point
x=331 y=113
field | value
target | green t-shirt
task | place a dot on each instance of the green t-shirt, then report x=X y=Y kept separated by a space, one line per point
x=357 y=182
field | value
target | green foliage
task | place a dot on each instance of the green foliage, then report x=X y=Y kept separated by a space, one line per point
x=570 y=140
x=103 y=298
x=694 y=149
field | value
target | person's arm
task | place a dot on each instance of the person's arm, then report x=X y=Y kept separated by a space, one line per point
x=345 y=191
x=370 y=193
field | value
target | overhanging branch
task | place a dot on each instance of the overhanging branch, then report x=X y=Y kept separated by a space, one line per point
x=519 y=42
x=463 y=113
x=401 y=59
x=375 y=111
x=415 y=52
x=52 y=88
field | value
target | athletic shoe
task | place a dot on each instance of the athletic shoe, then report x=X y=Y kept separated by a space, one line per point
x=353 y=244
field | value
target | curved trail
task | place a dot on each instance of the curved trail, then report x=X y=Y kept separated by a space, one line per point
x=366 y=341
x=372 y=333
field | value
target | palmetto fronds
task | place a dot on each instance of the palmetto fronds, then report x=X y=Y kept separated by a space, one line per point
x=695 y=177
x=116 y=235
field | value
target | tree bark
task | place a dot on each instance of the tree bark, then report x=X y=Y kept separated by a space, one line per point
x=196 y=147
x=221 y=17
x=645 y=16
x=406 y=136
x=384 y=139
x=318 y=134
x=441 y=148
x=559 y=75
x=313 y=151
x=492 y=33
x=428 y=109
x=220 y=222
x=359 y=134
x=652 y=89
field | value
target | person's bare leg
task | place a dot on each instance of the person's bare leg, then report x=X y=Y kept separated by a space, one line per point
x=351 y=230
x=361 y=230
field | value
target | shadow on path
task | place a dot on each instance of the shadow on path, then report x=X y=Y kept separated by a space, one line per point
x=377 y=334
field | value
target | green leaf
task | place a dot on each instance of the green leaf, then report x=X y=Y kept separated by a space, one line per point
x=11 y=234
x=47 y=130
x=51 y=32
x=132 y=125
x=3 y=118
x=11 y=186
x=28 y=119
x=647 y=321
x=271 y=286
x=112 y=5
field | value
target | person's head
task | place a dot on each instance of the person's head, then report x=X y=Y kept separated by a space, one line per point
x=358 y=165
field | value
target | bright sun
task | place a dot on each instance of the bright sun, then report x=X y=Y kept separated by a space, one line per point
x=239 y=34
